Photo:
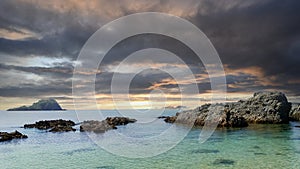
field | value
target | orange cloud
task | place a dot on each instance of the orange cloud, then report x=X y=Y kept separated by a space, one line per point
x=255 y=71
x=17 y=34
x=113 y=9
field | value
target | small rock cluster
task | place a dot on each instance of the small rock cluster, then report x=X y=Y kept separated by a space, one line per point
x=263 y=107
x=4 y=136
x=53 y=125
x=107 y=124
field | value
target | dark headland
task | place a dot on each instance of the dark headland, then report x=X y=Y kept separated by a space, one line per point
x=44 y=104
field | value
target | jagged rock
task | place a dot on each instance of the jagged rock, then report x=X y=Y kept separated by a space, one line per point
x=54 y=125
x=171 y=119
x=263 y=107
x=295 y=113
x=96 y=126
x=162 y=117
x=62 y=129
x=116 y=121
x=4 y=136
x=107 y=124
x=44 y=104
x=235 y=121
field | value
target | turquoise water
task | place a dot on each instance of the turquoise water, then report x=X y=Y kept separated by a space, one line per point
x=259 y=146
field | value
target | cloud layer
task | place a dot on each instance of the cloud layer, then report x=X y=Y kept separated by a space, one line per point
x=257 y=41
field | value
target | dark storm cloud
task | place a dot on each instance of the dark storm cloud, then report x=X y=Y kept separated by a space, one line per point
x=60 y=34
x=65 y=70
x=140 y=84
x=33 y=90
x=147 y=80
x=243 y=83
x=265 y=35
x=67 y=44
x=138 y=42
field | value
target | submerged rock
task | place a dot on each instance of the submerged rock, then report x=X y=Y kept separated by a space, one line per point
x=223 y=162
x=72 y=152
x=205 y=151
x=106 y=167
x=260 y=154
x=263 y=107
x=4 y=136
x=107 y=124
x=54 y=125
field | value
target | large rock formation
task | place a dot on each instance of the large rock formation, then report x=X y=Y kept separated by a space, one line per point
x=44 y=104
x=53 y=125
x=295 y=113
x=263 y=107
x=107 y=124
x=4 y=136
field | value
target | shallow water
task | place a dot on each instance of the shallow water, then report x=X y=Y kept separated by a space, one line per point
x=259 y=146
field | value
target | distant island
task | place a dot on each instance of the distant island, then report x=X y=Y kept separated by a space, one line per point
x=44 y=104
x=175 y=107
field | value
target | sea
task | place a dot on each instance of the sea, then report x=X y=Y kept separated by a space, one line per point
x=254 y=147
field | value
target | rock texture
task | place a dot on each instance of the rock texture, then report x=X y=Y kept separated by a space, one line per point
x=107 y=124
x=62 y=129
x=263 y=107
x=295 y=113
x=4 y=136
x=53 y=125
x=44 y=104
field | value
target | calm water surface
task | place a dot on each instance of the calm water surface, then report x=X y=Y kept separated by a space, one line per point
x=259 y=146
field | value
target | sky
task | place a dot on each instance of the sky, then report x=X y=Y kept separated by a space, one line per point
x=257 y=41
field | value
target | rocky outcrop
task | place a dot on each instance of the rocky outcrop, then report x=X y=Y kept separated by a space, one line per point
x=4 y=136
x=295 y=113
x=53 y=125
x=107 y=124
x=263 y=107
x=44 y=104
x=62 y=129
x=96 y=126
x=170 y=119
x=117 y=121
